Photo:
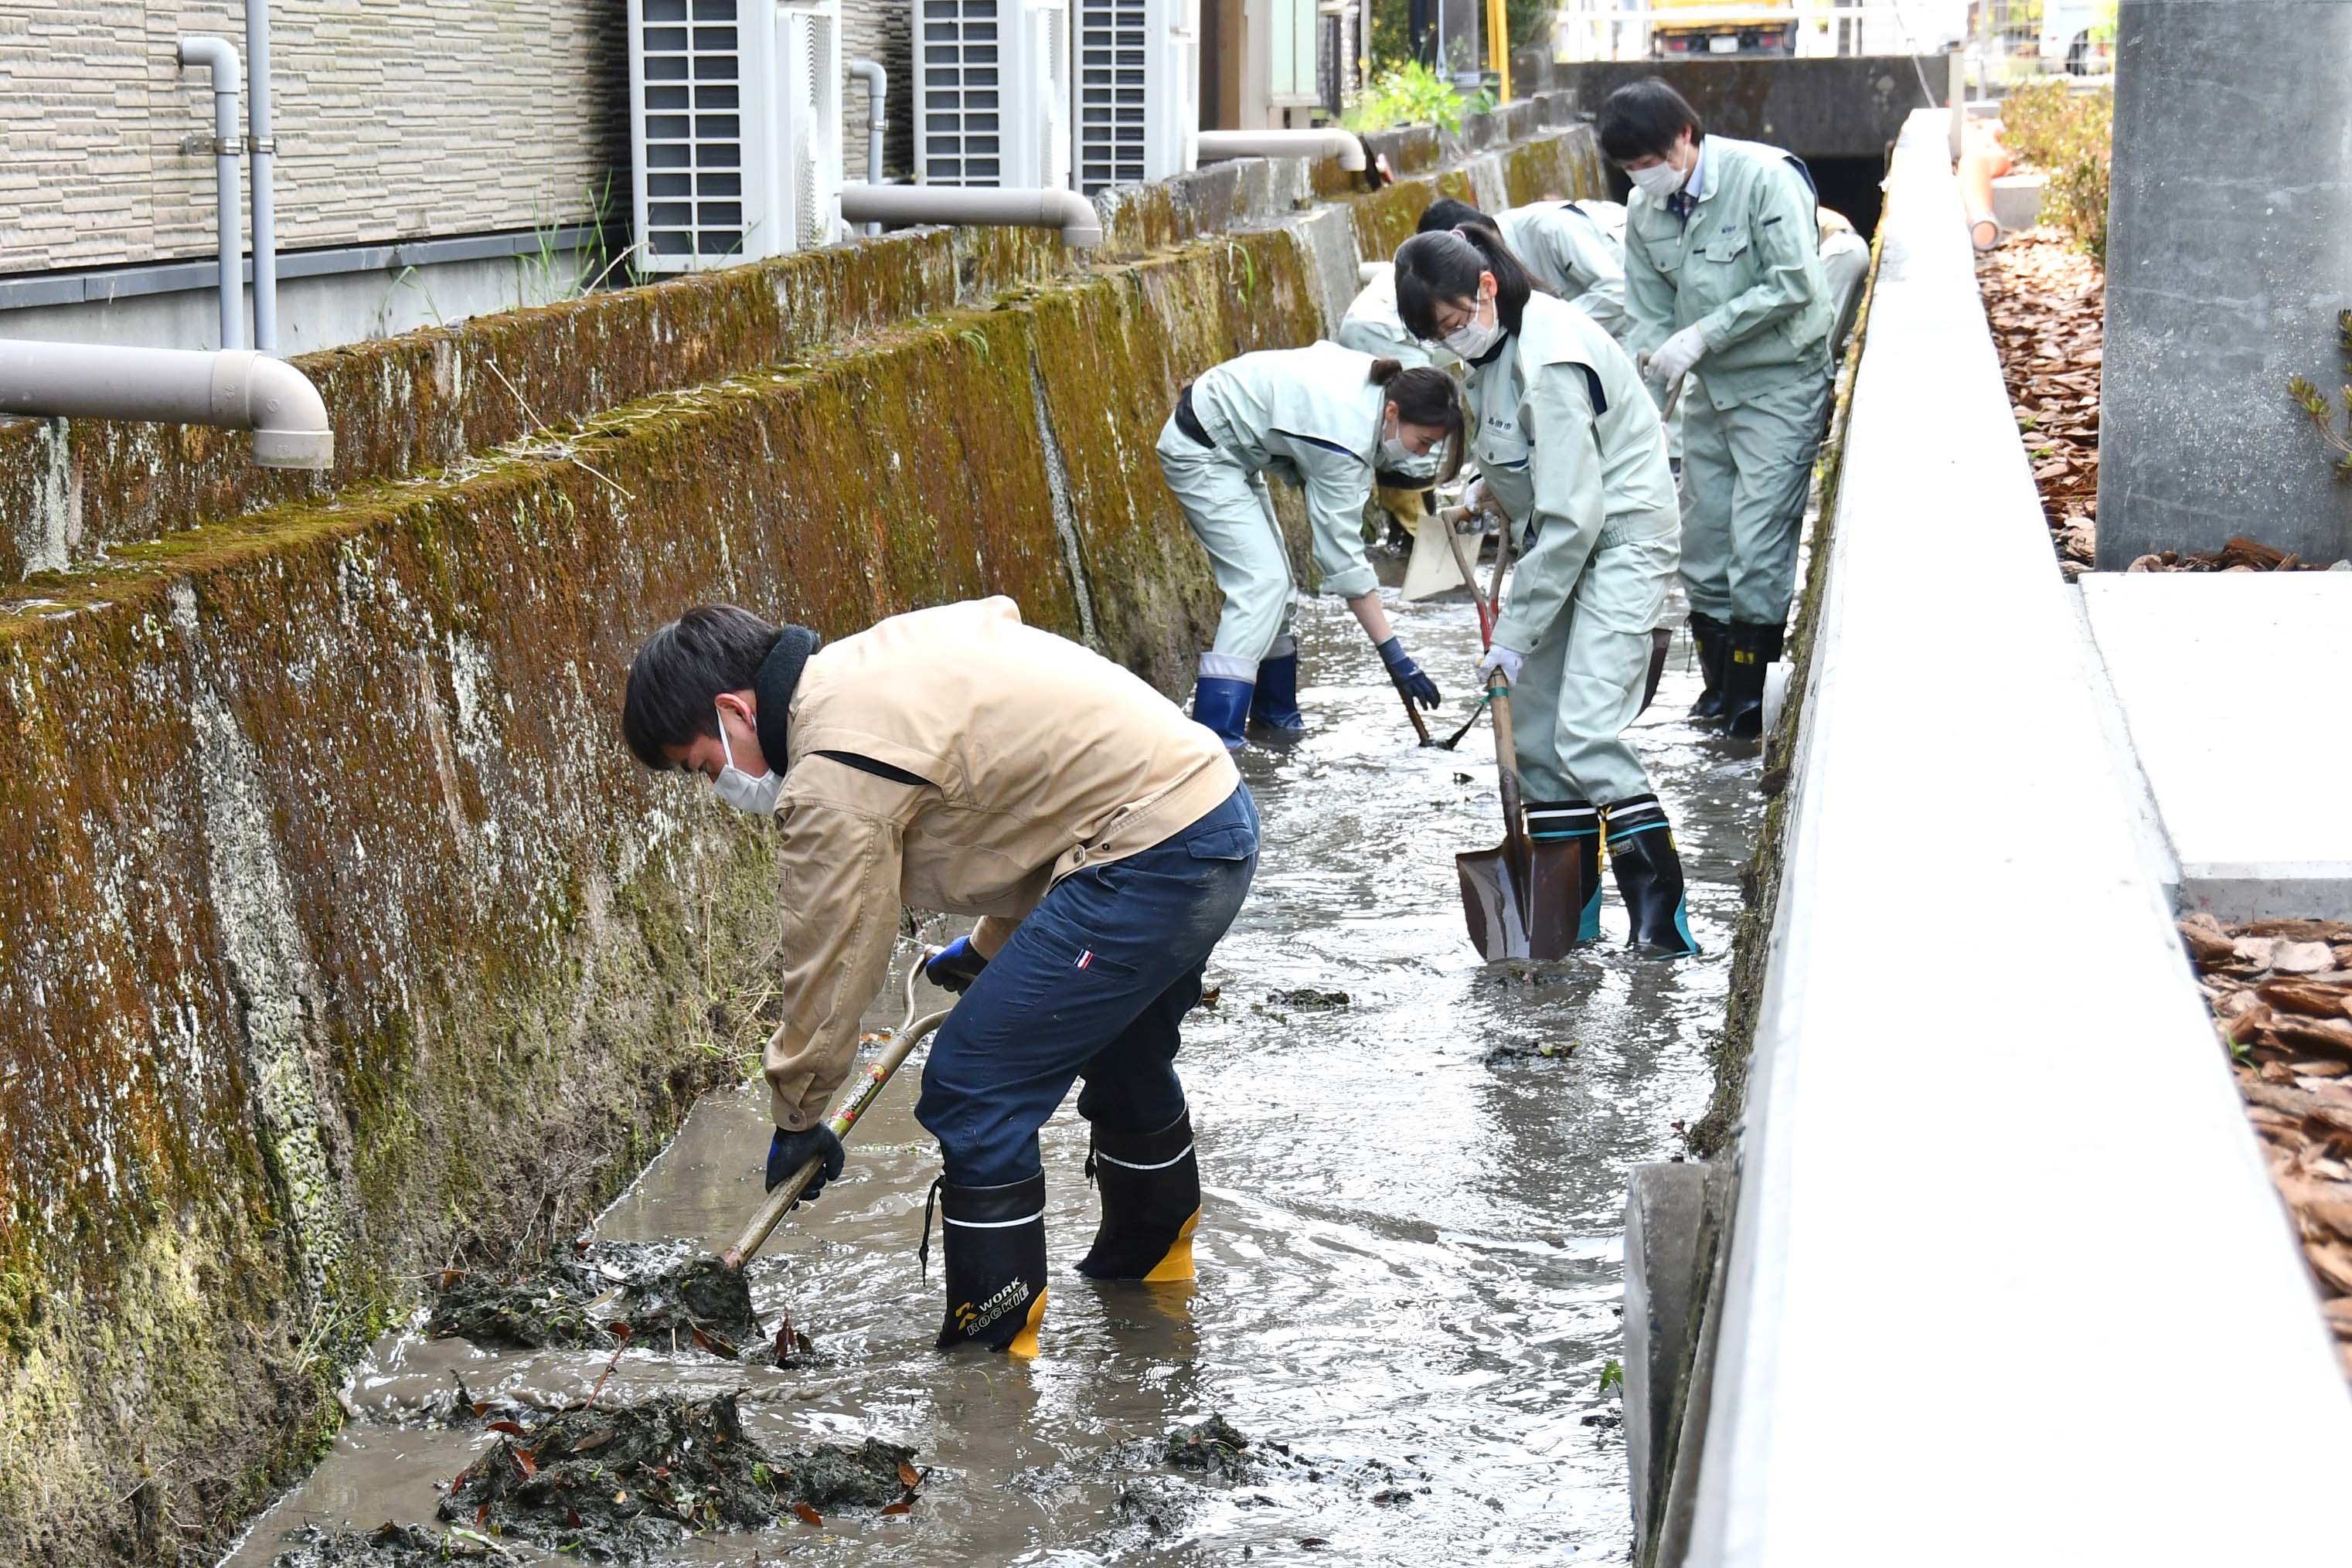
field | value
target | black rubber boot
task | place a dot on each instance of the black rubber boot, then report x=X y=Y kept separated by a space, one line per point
x=1649 y=875
x=1577 y=822
x=994 y=1237
x=1150 y=1187
x=1752 y=648
x=1712 y=639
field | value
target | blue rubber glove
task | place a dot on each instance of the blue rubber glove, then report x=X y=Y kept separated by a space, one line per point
x=788 y=1152
x=1407 y=674
x=955 y=966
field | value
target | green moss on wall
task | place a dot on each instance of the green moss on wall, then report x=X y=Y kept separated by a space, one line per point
x=337 y=937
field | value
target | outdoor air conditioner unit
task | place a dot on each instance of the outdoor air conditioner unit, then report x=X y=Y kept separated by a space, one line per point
x=735 y=125
x=992 y=92
x=1138 y=90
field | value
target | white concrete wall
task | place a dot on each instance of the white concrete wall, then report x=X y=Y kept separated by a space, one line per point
x=2008 y=1283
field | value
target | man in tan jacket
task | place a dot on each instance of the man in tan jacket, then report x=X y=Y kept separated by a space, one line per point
x=954 y=758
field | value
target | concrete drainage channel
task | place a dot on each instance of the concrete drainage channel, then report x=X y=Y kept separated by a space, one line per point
x=1407 y=1308
x=457 y=973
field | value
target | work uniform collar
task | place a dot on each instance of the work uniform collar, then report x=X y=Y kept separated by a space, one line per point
x=1683 y=202
x=778 y=677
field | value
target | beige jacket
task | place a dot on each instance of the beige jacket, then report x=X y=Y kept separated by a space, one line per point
x=1042 y=759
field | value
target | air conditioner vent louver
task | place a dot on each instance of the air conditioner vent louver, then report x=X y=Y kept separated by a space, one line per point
x=1135 y=91
x=992 y=92
x=737 y=154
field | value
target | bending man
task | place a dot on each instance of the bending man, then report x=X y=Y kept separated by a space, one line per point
x=953 y=759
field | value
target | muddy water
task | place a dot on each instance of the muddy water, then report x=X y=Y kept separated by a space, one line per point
x=1411 y=1251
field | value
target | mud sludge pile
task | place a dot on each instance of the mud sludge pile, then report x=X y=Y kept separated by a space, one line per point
x=617 y=1484
x=659 y=1290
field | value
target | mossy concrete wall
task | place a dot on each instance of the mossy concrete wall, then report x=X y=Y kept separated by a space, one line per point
x=338 y=939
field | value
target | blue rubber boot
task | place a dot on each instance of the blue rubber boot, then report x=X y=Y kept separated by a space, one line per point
x=1276 y=701
x=1650 y=876
x=1577 y=822
x=1221 y=700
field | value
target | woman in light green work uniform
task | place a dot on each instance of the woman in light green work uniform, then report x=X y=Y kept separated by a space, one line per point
x=1724 y=283
x=1567 y=247
x=1569 y=447
x=1329 y=420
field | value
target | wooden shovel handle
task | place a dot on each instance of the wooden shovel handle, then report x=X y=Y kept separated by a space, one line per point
x=1469 y=580
x=1507 y=767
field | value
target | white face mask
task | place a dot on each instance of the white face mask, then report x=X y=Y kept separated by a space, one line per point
x=1473 y=338
x=739 y=788
x=1659 y=179
x=1395 y=456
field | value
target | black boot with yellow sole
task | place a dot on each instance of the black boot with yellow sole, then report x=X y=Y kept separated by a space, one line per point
x=994 y=1237
x=1150 y=1187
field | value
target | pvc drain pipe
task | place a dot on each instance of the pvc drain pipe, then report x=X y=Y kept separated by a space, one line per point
x=1215 y=146
x=234 y=389
x=877 y=94
x=219 y=56
x=1071 y=212
x=264 y=147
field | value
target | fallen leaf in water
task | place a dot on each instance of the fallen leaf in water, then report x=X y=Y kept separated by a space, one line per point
x=807 y=1514
x=524 y=1462
x=909 y=1476
x=593 y=1442
x=898 y=1508
x=508 y=1427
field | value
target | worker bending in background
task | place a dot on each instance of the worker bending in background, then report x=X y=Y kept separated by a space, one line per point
x=1570 y=448
x=1575 y=249
x=956 y=759
x=1724 y=284
x=1331 y=420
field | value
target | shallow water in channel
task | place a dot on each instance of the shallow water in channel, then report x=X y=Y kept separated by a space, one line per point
x=1411 y=1246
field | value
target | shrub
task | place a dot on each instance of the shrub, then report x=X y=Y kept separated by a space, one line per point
x=2069 y=136
x=1409 y=94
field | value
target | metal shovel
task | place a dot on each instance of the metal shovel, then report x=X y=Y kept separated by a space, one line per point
x=1521 y=899
x=911 y=1030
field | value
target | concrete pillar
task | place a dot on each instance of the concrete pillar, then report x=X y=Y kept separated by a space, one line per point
x=2228 y=254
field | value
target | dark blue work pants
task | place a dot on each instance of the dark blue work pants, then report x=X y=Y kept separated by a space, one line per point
x=1092 y=984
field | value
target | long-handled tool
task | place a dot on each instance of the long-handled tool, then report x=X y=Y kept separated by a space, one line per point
x=911 y=1030
x=1412 y=710
x=1489 y=608
x=1522 y=899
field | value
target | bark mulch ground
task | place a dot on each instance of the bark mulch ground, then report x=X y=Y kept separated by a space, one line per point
x=2282 y=992
x=2046 y=302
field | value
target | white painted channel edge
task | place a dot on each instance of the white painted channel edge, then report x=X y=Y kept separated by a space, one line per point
x=2009 y=1282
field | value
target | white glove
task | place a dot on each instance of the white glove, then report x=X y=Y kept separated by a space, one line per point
x=1473 y=494
x=1676 y=356
x=1463 y=520
x=1506 y=660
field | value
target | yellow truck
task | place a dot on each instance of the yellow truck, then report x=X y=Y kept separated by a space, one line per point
x=1691 y=29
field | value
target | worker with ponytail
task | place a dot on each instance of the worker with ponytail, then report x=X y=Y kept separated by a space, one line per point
x=1331 y=420
x=1570 y=450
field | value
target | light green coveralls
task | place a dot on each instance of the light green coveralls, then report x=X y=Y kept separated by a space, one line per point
x=1311 y=416
x=1568 y=248
x=1745 y=268
x=1584 y=476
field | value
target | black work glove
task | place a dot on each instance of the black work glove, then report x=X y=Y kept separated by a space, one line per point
x=788 y=1152
x=1407 y=674
x=955 y=966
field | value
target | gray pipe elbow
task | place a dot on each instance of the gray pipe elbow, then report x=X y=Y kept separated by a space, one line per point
x=278 y=404
x=216 y=55
x=1328 y=142
x=1081 y=225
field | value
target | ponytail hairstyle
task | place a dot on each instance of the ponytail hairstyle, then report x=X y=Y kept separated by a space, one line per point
x=1445 y=265
x=1426 y=395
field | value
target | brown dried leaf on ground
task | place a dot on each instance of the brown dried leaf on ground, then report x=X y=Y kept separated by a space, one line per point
x=2045 y=302
x=2292 y=1044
